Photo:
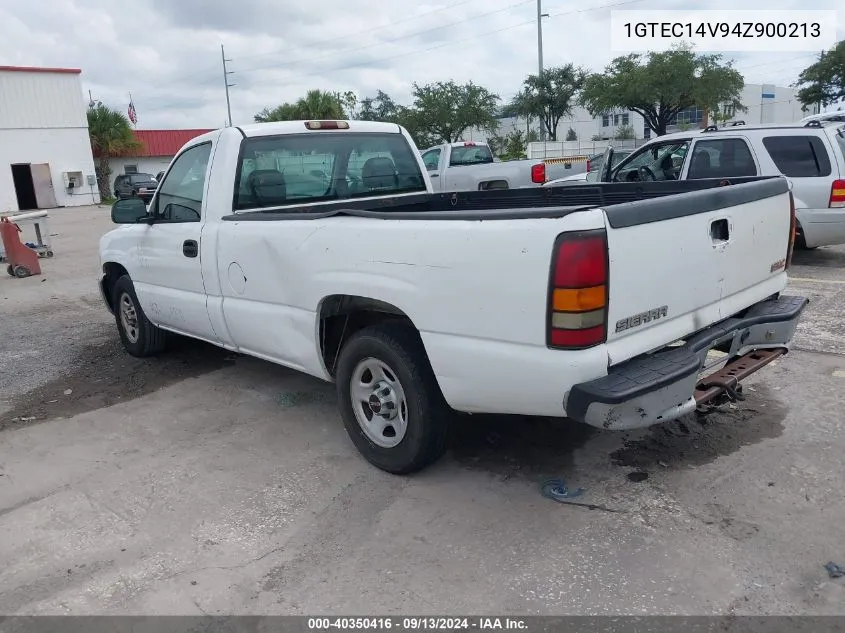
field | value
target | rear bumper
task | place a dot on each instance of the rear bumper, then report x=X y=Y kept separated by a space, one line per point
x=665 y=385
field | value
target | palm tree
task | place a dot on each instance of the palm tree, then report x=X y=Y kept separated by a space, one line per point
x=111 y=135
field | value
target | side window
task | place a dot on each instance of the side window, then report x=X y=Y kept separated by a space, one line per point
x=180 y=194
x=662 y=161
x=431 y=159
x=721 y=158
x=798 y=156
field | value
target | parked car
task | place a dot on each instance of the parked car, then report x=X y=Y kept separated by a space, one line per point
x=141 y=185
x=469 y=166
x=592 y=172
x=811 y=155
x=600 y=304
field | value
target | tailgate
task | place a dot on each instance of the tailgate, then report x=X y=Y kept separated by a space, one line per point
x=681 y=263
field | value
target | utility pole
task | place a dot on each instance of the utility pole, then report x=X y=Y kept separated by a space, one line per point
x=226 y=83
x=540 y=16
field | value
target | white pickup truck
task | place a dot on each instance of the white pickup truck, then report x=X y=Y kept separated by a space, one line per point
x=470 y=166
x=599 y=303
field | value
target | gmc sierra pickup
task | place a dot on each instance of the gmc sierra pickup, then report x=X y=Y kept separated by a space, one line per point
x=600 y=303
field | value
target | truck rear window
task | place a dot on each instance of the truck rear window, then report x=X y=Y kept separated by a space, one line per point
x=470 y=155
x=290 y=169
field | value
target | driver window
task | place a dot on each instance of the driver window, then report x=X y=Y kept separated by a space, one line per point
x=179 y=197
x=431 y=159
x=659 y=162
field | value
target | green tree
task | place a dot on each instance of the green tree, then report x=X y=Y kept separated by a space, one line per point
x=571 y=135
x=379 y=108
x=658 y=85
x=315 y=105
x=445 y=110
x=824 y=81
x=625 y=132
x=551 y=97
x=111 y=136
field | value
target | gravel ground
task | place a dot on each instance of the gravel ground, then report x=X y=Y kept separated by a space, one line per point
x=203 y=482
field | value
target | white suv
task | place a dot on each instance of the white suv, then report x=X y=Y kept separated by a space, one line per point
x=810 y=155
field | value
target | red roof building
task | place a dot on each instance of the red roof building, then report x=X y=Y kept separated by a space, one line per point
x=164 y=142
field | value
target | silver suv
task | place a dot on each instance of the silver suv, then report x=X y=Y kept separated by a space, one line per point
x=811 y=156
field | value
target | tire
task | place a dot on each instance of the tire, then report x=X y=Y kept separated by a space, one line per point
x=145 y=339
x=10 y=269
x=21 y=272
x=425 y=416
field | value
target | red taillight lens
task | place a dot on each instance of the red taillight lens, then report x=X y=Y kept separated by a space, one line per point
x=589 y=165
x=837 y=194
x=327 y=125
x=469 y=144
x=538 y=173
x=577 y=309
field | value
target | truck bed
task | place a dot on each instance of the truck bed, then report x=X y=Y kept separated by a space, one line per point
x=619 y=200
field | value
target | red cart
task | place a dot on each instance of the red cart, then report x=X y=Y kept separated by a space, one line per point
x=22 y=260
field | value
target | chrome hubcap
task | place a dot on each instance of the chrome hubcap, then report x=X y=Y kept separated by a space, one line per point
x=379 y=403
x=129 y=318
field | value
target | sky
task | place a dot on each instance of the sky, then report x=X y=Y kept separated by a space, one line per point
x=166 y=53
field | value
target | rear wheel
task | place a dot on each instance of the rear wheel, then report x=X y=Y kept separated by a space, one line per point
x=20 y=271
x=390 y=402
x=140 y=337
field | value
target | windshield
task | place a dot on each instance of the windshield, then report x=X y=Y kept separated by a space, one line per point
x=470 y=155
x=303 y=168
x=138 y=178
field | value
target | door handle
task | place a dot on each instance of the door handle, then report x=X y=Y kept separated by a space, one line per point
x=433 y=175
x=720 y=230
x=190 y=248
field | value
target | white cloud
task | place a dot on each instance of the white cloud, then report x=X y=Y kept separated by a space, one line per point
x=167 y=53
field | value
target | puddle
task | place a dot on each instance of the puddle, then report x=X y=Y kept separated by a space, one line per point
x=519 y=445
x=105 y=374
x=696 y=440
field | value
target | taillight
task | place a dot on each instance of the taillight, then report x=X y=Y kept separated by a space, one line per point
x=837 y=194
x=577 y=310
x=589 y=165
x=469 y=144
x=538 y=173
x=327 y=125
x=793 y=229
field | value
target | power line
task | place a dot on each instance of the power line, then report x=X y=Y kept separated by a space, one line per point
x=390 y=41
x=461 y=40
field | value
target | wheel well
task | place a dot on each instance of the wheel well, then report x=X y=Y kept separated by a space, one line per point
x=343 y=315
x=113 y=272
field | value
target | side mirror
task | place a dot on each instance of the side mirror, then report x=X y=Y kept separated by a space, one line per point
x=128 y=211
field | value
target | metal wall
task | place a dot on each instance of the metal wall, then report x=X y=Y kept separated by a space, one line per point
x=41 y=100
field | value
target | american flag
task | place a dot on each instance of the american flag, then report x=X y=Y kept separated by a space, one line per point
x=133 y=116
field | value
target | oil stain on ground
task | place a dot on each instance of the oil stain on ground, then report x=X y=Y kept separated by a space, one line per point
x=511 y=445
x=104 y=375
x=696 y=440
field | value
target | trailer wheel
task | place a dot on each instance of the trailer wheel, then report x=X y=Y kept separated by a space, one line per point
x=10 y=269
x=390 y=401
x=139 y=336
x=21 y=272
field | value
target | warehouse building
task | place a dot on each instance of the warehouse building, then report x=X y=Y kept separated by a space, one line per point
x=45 y=152
x=158 y=147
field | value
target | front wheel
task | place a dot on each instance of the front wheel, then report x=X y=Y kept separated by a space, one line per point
x=140 y=337
x=390 y=402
